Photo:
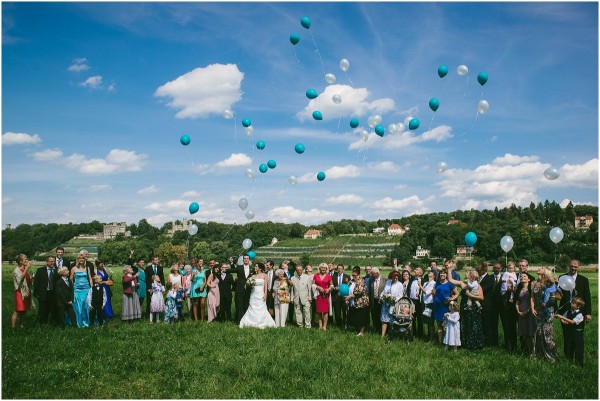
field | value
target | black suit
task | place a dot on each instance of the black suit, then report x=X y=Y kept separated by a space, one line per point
x=582 y=290
x=225 y=287
x=339 y=304
x=418 y=315
x=45 y=295
x=242 y=294
x=64 y=295
x=374 y=302
x=497 y=307
x=149 y=273
x=490 y=331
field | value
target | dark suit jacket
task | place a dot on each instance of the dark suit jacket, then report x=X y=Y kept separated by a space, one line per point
x=336 y=275
x=64 y=292
x=379 y=290
x=487 y=285
x=66 y=263
x=240 y=281
x=40 y=283
x=582 y=287
x=150 y=272
x=226 y=285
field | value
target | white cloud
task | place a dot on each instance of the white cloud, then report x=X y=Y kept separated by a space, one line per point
x=204 y=91
x=112 y=87
x=344 y=199
x=100 y=188
x=403 y=139
x=354 y=103
x=92 y=82
x=19 y=138
x=334 y=173
x=6 y=199
x=384 y=166
x=148 y=190
x=191 y=194
x=289 y=214
x=79 y=64
x=174 y=205
x=235 y=160
x=579 y=175
x=407 y=206
x=511 y=160
x=565 y=202
x=117 y=161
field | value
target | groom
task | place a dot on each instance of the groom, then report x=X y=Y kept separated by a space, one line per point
x=242 y=294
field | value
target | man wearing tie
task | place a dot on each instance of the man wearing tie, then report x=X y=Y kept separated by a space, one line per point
x=153 y=269
x=269 y=264
x=377 y=285
x=44 y=283
x=226 y=284
x=61 y=260
x=242 y=294
x=301 y=288
x=339 y=304
x=486 y=281
x=491 y=324
x=415 y=296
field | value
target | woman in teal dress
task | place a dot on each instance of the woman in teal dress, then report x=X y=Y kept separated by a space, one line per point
x=82 y=283
x=142 y=288
x=198 y=293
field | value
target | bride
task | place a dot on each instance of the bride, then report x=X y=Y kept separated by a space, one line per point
x=257 y=314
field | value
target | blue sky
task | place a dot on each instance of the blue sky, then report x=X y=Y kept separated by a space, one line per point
x=96 y=96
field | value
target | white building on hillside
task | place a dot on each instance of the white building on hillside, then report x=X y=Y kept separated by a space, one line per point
x=395 y=229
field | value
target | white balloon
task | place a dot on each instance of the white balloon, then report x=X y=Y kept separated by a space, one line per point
x=506 y=243
x=441 y=167
x=483 y=106
x=243 y=203
x=566 y=282
x=551 y=173
x=240 y=260
x=330 y=78
x=249 y=130
x=399 y=127
x=228 y=114
x=247 y=243
x=556 y=235
x=249 y=173
x=337 y=99
x=293 y=180
x=249 y=214
x=392 y=128
x=364 y=135
x=374 y=120
x=193 y=229
x=407 y=120
x=344 y=64
x=462 y=70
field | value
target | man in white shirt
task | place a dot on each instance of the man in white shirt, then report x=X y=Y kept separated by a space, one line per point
x=301 y=288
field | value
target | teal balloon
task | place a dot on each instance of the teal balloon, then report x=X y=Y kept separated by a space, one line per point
x=434 y=103
x=482 y=78
x=260 y=145
x=185 y=140
x=354 y=123
x=470 y=238
x=251 y=254
x=305 y=22
x=299 y=148
x=294 y=38
x=246 y=122
x=379 y=130
x=442 y=71
x=317 y=115
x=263 y=168
x=271 y=164
x=194 y=207
x=311 y=93
x=320 y=176
x=414 y=123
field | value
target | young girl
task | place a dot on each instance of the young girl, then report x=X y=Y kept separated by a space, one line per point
x=171 y=307
x=472 y=288
x=509 y=282
x=157 y=303
x=452 y=318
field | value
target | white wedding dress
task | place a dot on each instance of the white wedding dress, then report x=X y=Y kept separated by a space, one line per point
x=257 y=314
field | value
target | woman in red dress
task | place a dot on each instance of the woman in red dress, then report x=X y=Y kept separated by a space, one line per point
x=324 y=286
x=22 y=281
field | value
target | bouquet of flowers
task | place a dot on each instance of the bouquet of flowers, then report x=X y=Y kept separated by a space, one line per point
x=110 y=277
x=250 y=283
x=388 y=298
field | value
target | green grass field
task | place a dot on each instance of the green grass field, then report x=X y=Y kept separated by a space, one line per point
x=220 y=361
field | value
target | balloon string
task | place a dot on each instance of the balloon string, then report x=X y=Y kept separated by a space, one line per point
x=317 y=51
x=431 y=122
x=338 y=126
x=192 y=160
x=349 y=80
x=297 y=59
x=235 y=130
x=228 y=231
x=466 y=90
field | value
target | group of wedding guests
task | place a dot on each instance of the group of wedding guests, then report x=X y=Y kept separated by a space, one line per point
x=79 y=294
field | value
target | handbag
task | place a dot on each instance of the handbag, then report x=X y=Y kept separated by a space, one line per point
x=427 y=312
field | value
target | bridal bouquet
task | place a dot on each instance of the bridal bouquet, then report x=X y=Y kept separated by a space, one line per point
x=388 y=299
x=250 y=283
x=110 y=277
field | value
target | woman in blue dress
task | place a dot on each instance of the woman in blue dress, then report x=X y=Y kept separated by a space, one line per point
x=198 y=293
x=393 y=288
x=82 y=283
x=445 y=292
x=106 y=282
x=142 y=288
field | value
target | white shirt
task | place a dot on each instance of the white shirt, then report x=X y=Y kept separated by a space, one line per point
x=578 y=316
x=247 y=270
x=427 y=295
x=414 y=289
x=396 y=289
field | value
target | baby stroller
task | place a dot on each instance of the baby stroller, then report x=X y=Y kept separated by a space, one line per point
x=401 y=324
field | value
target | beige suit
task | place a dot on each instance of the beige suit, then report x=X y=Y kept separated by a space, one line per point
x=301 y=296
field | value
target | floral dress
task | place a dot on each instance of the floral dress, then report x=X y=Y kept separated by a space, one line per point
x=171 y=307
x=544 y=345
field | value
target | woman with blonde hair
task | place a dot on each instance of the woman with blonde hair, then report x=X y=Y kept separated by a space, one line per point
x=324 y=284
x=22 y=282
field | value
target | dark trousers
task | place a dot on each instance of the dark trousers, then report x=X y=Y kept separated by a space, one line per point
x=340 y=308
x=225 y=309
x=180 y=314
x=242 y=300
x=573 y=341
x=47 y=309
x=508 y=316
x=490 y=319
x=96 y=312
x=376 y=315
x=417 y=326
x=60 y=313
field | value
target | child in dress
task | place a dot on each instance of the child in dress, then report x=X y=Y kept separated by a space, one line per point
x=171 y=306
x=509 y=282
x=549 y=301
x=157 y=303
x=472 y=288
x=451 y=319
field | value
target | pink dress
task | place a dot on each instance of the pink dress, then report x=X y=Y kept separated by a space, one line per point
x=213 y=300
x=322 y=302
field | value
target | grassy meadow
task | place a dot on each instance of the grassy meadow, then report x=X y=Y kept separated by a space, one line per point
x=196 y=360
